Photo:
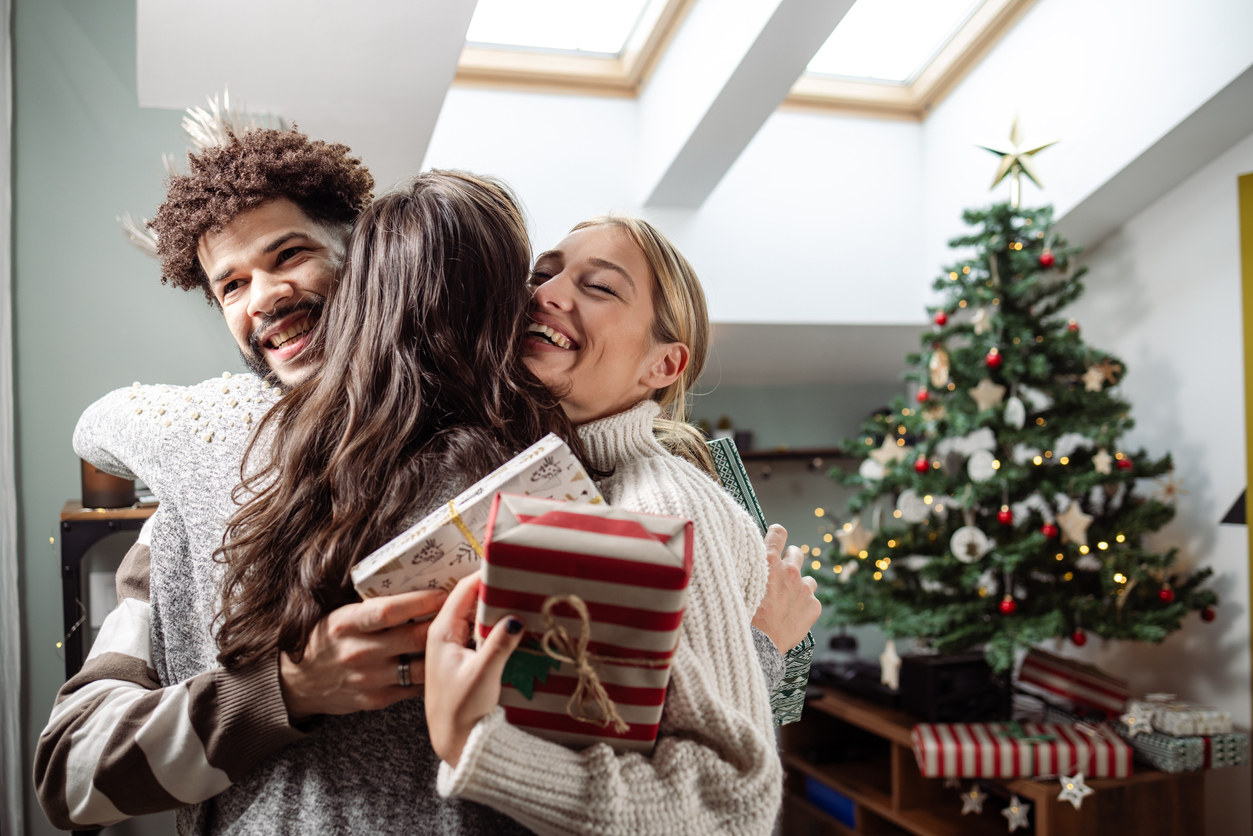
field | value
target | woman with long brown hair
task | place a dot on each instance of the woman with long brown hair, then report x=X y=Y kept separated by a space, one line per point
x=422 y=391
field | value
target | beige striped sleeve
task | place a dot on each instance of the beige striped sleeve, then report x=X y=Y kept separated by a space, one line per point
x=119 y=745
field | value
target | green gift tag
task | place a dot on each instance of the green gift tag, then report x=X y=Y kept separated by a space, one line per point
x=523 y=668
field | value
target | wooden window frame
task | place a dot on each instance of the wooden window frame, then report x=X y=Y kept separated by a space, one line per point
x=976 y=37
x=543 y=71
x=625 y=75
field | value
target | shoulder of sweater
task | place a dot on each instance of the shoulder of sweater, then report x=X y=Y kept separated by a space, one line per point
x=216 y=409
x=695 y=494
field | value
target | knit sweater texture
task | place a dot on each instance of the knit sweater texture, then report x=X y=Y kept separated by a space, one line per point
x=715 y=768
x=219 y=746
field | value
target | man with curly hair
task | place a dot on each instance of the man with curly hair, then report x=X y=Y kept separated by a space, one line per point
x=259 y=225
x=153 y=722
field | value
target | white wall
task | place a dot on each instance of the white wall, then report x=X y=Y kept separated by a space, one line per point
x=1164 y=294
x=1109 y=78
x=818 y=207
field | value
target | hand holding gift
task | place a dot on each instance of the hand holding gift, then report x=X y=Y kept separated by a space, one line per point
x=469 y=680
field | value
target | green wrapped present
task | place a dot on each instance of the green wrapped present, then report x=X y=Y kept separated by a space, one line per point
x=788 y=698
x=1185 y=754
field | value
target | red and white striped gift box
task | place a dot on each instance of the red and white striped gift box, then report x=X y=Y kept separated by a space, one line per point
x=1075 y=682
x=632 y=572
x=991 y=750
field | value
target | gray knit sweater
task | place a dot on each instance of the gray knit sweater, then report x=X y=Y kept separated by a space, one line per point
x=153 y=722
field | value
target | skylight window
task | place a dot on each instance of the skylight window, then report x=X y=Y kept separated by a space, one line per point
x=583 y=27
x=890 y=40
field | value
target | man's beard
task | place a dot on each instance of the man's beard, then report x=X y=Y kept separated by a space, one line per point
x=254 y=357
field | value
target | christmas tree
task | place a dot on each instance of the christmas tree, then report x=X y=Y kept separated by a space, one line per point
x=999 y=508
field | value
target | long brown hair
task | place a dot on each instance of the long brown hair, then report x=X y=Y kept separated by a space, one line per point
x=422 y=392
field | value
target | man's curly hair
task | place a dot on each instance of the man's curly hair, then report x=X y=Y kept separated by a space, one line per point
x=259 y=166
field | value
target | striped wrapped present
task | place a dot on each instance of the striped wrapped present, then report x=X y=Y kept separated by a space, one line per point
x=1019 y=750
x=787 y=700
x=1058 y=678
x=601 y=592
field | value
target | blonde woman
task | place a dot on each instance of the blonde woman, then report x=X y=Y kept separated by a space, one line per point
x=620 y=332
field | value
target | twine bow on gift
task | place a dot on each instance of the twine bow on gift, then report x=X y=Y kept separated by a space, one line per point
x=558 y=644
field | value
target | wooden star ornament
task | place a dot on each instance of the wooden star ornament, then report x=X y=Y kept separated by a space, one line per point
x=854 y=538
x=987 y=394
x=1093 y=380
x=1169 y=489
x=890 y=452
x=1074 y=524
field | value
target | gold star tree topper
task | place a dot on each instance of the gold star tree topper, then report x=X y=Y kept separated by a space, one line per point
x=1016 y=160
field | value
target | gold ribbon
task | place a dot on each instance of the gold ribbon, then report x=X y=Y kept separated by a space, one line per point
x=464 y=529
x=573 y=651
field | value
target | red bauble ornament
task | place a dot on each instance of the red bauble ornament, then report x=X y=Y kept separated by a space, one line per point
x=1007 y=605
x=1079 y=638
x=1005 y=516
x=922 y=395
x=1166 y=594
x=941 y=318
x=1049 y=530
x=920 y=465
x=1073 y=326
x=1047 y=260
x=1125 y=463
x=1208 y=614
x=993 y=359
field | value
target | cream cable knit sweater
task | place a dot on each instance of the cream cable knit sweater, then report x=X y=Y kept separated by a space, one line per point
x=715 y=768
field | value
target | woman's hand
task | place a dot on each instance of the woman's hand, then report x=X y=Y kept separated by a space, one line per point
x=352 y=661
x=463 y=685
x=789 y=608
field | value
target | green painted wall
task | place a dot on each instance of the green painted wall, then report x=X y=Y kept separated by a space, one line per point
x=90 y=314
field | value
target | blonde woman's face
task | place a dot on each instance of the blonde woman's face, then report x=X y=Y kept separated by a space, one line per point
x=591 y=333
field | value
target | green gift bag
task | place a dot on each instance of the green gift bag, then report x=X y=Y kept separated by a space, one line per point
x=788 y=698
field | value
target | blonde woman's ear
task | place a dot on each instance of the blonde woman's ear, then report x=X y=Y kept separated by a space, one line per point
x=668 y=365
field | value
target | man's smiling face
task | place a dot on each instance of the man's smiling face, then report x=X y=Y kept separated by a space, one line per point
x=270 y=270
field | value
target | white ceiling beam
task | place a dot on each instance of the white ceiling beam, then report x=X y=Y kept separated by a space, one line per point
x=730 y=66
x=1200 y=138
x=371 y=74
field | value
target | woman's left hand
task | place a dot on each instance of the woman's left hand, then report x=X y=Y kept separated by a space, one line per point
x=462 y=684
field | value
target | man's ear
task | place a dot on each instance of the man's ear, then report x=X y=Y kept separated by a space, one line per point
x=669 y=363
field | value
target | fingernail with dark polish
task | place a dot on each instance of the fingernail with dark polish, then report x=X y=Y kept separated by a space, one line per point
x=514 y=626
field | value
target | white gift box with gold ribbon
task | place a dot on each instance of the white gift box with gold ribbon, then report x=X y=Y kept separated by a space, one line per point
x=447 y=545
